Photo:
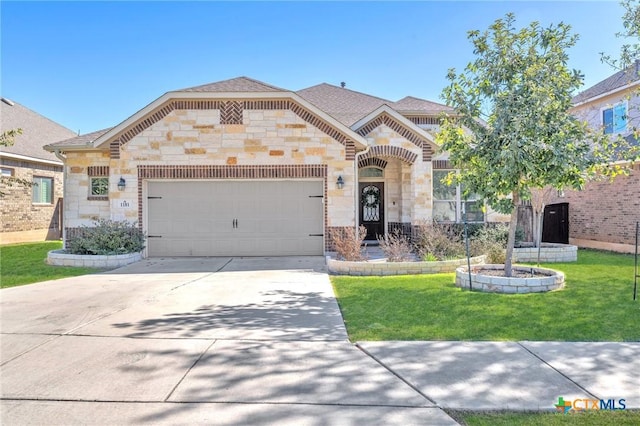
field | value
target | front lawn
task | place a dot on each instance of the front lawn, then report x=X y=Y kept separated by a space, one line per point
x=596 y=305
x=586 y=418
x=25 y=264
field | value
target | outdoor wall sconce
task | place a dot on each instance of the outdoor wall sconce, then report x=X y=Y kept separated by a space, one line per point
x=121 y=184
x=340 y=182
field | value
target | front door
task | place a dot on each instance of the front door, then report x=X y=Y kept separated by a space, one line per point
x=372 y=208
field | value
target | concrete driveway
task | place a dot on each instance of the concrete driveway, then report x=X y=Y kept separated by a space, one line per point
x=194 y=340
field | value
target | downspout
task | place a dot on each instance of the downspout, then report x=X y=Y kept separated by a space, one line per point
x=356 y=191
x=64 y=194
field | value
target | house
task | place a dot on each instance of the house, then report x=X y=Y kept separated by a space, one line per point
x=31 y=213
x=604 y=214
x=241 y=167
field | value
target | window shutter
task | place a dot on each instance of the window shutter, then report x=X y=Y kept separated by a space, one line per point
x=607 y=120
x=620 y=118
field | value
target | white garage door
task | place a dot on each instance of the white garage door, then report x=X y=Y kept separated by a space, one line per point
x=235 y=218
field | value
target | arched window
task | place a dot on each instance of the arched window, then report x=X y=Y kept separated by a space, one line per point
x=371 y=172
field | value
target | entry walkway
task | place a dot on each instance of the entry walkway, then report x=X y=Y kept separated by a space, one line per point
x=260 y=341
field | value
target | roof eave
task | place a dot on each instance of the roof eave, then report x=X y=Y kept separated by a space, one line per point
x=606 y=94
x=29 y=158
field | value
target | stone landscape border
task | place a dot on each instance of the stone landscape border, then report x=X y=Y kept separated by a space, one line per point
x=549 y=253
x=61 y=258
x=382 y=267
x=550 y=280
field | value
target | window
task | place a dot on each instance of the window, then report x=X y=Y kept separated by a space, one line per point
x=448 y=205
x=42 y=190
x=371 y=172
x=7 y=172
x=614 y=119
x=99 y=187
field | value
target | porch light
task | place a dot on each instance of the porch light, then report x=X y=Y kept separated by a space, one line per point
x=340 y=182
x=121 y=184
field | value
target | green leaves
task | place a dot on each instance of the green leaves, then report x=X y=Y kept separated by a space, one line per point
x=520 y=85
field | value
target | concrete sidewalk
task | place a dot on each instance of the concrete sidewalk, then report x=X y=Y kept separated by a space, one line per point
x=260 y=341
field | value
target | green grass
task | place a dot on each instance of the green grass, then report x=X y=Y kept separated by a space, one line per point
x=587 y=418
x=25 y=264
x=596 y=305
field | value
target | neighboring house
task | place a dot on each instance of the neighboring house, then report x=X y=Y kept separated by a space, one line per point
x=31 y=213
x=240 y=167
x=604 y=214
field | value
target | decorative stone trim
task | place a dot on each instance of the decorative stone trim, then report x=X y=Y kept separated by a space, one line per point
x=403 y=131
x=391 y=151
x=549 y=253
x=231 y=112
x=372 y=162
x=232 y=172
x=552 y=280
x=96 y=171
x=380 y=268
x=421 y=119
x=442 y=165
x=60 y=258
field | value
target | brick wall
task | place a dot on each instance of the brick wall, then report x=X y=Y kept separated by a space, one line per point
x=18 y=212
x=605 y=211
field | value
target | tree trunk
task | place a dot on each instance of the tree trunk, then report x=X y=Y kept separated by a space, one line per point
x=512 y=236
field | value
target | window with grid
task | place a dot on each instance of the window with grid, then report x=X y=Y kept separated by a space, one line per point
x=42 y=190
x=448 y=204
x=99 y=187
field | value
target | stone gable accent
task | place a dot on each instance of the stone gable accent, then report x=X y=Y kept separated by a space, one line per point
x=399 y=128
x=391 y=151
x=369 y=162
x=231 y=113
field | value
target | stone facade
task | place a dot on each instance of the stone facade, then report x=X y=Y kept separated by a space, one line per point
x=22 y=220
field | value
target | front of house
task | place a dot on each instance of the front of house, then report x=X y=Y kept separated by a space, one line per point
x=243 y=168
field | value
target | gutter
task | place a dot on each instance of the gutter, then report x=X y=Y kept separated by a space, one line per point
x=64 y=194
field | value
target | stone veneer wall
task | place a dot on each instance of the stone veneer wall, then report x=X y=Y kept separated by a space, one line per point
x=20 y=217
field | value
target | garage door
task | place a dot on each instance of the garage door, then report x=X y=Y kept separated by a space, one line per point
x=235 y=218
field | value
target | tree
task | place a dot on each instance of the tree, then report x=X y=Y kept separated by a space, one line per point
x=630 y=51
x=513 y=131
x=7 y=138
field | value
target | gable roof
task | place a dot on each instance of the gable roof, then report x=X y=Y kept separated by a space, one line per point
x=617 y=81
x=238 y=84
x=410 y=104
x=37 y=131
x=345 y=105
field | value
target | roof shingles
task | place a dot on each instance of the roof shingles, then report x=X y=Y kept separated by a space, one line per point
x=37 y=131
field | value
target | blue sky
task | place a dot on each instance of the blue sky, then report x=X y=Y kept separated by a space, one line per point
x=90 y=65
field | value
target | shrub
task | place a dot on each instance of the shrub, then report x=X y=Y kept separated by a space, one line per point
x=492 y=237
x=108 y=237
x=442 y=241
x=348 y=245
x=396 y=247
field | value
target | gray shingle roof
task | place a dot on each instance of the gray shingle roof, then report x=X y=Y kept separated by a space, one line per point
x=410 y=104
x=616 y=81
x=345 y=105
x=239 y=84
x=82 y=140
x=37 y=131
